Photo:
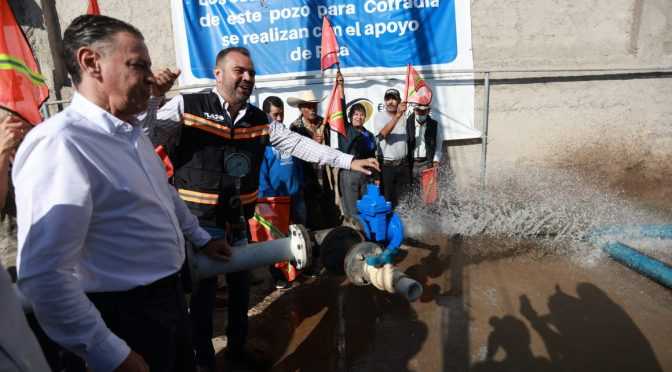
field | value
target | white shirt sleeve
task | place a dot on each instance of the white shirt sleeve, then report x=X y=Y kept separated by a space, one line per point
x=189 y=222
x=439 y=143
x=305 y=148
x=164 y=124
x=53 y=223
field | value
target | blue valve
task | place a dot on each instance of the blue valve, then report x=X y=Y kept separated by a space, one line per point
x=380 y=224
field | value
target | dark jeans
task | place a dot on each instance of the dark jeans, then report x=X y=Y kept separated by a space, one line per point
x=353 y=186
x=202 y=303
x=298 y=212
x=154 y=323
x=395 y=181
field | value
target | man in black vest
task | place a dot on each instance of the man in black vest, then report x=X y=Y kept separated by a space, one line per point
x=424 y=142
x=207 y=128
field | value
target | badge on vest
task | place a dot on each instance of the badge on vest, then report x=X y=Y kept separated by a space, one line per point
x=215 y=117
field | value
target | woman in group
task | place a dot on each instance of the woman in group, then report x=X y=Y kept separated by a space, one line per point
x=360 y=143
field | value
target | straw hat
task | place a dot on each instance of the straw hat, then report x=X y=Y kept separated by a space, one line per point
x=305 y=96
x=368 y=107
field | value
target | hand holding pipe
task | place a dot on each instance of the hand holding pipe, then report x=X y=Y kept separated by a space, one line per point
x=296 y=248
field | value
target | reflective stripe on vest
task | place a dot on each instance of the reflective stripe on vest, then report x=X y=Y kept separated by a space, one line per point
x=224 y=131
x=197 y=197
x=249 y=198
x=251 y=132
x=206 y=125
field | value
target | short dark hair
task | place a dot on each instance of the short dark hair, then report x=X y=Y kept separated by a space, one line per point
x=222 y=53
x=274 y=101
x=356 y=107
x=87 y=30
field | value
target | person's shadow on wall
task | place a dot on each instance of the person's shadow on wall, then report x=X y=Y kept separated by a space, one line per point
x=585 y=333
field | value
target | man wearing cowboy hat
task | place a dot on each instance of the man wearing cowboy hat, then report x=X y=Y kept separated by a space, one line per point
x=424 y=141
x=319 y=179
x=308 y=123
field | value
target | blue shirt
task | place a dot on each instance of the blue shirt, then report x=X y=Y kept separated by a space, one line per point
x=281 y=174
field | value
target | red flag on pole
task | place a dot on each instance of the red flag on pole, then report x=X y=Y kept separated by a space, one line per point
x=22 y=87
x=93 y=8
x=416 y=90
x=334 y=116
x=329 y=45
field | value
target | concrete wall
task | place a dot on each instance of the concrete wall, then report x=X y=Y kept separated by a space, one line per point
x=617 y=127
x=611 y=125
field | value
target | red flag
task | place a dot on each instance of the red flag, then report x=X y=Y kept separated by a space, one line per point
x=22 y=87
x=329 y=45
x=334 y=116
x=416 y=90
x=428 y=186
x=93 y=8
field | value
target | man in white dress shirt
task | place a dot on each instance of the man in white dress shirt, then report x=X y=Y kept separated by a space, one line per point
x=100 y=230
x=426 y=141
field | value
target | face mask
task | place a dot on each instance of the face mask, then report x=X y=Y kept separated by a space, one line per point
x=421 y=118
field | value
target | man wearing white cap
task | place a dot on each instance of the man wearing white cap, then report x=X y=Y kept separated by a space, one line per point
x=425 y=141
x=393 y=146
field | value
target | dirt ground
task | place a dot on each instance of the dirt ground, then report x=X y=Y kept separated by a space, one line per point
x=488 y=305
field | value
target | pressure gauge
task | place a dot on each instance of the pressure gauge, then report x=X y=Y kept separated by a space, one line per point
x=237 y=165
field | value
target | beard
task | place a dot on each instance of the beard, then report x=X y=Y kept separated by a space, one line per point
x=244 y=96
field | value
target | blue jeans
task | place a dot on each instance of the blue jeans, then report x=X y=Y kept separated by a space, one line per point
x=202 y=303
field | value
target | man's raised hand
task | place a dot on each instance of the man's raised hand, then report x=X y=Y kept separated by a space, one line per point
x=163 y=81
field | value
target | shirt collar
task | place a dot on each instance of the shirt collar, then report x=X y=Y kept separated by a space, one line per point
x=226 y=104
x=98 y=116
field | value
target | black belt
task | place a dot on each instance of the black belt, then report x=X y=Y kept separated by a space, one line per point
x=394 y=163
x=420 y=159
x=163 y=283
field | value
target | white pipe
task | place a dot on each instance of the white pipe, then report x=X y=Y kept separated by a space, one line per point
x=295 y=248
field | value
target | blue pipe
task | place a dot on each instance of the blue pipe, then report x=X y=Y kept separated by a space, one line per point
x=630 y=232
x=645 y=265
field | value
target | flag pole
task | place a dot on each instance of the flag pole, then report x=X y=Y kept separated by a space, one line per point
x=408 y=71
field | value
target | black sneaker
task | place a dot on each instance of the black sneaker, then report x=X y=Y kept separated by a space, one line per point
x=282 y=284
x=247 y=359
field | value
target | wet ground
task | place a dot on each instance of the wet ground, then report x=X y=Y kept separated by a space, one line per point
x=489 y=304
